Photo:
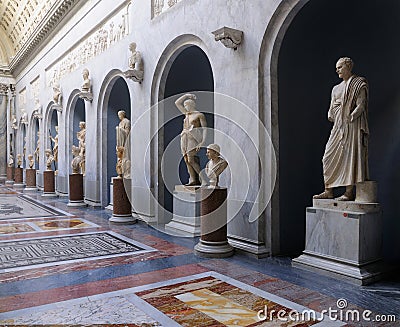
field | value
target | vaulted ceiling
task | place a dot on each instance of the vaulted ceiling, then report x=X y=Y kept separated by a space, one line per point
x=25 y=24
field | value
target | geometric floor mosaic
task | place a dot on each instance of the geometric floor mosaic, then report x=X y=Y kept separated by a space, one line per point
x=206 y=299
x=38 y=252
x=45 y=225
x=22 y=206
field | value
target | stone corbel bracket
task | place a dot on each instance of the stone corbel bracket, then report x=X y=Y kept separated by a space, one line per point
x=87 y=96
x=58 y=107
x=135 y=75
x=229 y=37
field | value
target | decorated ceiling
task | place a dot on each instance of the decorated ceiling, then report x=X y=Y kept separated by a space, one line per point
x=25 y=24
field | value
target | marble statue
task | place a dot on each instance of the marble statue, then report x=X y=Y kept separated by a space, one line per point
x=136 y=69
x=24 y=117
x=14 y=124
x=36 y=153
x=37 y=111
x=119 y=167
x=31 y=161
x=10 y=160
x=193 y=135
x=49 y=159
x=55 y=145
x=81 y=135
x=215 y=166
x=86 y=86
x=123 y=129
x=19 y=160
x=57 y=97
x=76 y=161
x=345 y=161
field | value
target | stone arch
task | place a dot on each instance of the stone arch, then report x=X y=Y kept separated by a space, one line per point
x=158 y=87
x=102 y=109
x=268 y=102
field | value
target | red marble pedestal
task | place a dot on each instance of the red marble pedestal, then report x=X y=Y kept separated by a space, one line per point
x=30 y=177
x=122 y=209
x=19 y=178
x=76 y=191
x=10 y=175
x=213 y=220
x=48 y=183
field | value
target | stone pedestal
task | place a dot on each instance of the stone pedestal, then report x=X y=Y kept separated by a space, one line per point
x=76 y=191
x=110 y=205
x=344 y=240
x=10 y=176
x=48 y=184
x=122 y=209
x=19 y=178
x=30 y=176
x=186 y=211
x=213 y=241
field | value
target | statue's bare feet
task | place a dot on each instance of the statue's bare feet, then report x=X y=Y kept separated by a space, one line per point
x=324 y=195
x=345 y=197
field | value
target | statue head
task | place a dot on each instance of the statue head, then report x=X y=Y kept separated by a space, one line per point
x=82 y=125
x=344 y=67
x=30 y=156
x=75 y=150
x=85 y=73
x=190 y=105
x=132 y=47
x=47 y=152
x=121 y=114
x=213 y=151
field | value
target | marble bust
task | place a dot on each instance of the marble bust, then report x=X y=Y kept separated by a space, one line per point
x=193 y=135
x=37 y=111
x=57 y=97
x=24 y=117
x=19 y=160
x=10 y=160
x=348 y=112
x=215 y=166
x=86 y=86
x=76 y=161
x=31 y=161
x=49 y=159
x=136 y=69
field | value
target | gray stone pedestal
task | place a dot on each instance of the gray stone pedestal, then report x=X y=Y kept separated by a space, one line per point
x=186 y=211
x=214 y=241
x=343 y=239
x=10 y=176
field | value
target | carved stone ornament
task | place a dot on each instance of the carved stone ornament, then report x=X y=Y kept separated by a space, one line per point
x=37 y=111
x=87 y=96
x=57 y=98
x=3 y=89
x=229 y=37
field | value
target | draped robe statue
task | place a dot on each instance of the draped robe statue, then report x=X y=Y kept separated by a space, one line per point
x=345 y=161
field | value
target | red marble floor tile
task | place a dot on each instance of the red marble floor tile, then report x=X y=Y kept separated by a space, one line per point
x=70 y=292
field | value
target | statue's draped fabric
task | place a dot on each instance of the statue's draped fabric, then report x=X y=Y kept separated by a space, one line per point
x=345 y=160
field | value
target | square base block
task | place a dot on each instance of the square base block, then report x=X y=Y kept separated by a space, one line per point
x=343 y=239
x=186 y=212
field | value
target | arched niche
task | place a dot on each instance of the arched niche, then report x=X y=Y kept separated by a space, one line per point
x=187 y=69
x=114 y=96
x=297 y=60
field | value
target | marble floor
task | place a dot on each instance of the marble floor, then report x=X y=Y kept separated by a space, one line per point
x=72 y=267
